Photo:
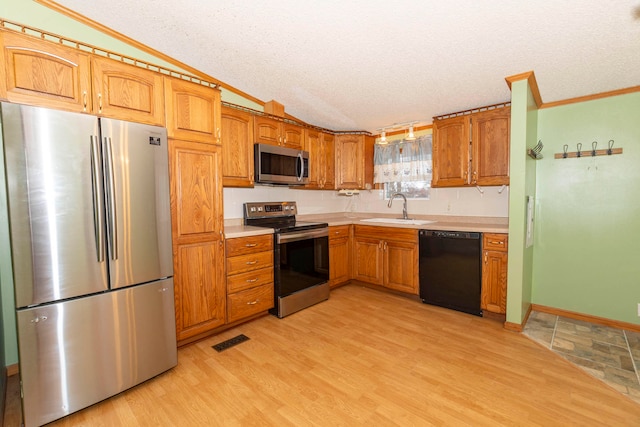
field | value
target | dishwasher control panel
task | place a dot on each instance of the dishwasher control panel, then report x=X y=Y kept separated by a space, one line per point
x=450 y=234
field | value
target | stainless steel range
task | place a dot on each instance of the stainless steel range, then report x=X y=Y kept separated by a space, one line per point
x=301 y=255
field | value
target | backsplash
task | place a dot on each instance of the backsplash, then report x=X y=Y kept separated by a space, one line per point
x=444 y=201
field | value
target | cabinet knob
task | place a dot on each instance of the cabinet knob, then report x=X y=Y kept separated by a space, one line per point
x=251 y=262
x=251 y=245
x=84 y=100
x=99 y=103
x=253 y=302
x=252 y=280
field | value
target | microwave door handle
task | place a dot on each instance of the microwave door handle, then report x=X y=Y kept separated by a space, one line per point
x=301 y=163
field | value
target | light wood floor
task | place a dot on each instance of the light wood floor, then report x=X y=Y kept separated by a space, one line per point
x=371 y=358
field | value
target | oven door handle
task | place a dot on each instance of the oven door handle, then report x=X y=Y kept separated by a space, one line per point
x=302 y=235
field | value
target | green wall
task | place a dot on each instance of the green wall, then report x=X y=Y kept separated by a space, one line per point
x=587 y=256
x=522 y=171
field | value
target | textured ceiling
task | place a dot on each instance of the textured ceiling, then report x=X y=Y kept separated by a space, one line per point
x=366 y=64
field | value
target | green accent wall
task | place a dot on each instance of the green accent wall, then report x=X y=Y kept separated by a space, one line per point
x=587 y=256
x=522 y=170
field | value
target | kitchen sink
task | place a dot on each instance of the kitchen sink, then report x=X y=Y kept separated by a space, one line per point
x=398 y=221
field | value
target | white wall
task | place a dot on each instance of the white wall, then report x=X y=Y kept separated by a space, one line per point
x=444 y=201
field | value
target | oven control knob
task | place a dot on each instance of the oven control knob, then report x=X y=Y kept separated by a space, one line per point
x=252 y=209
x=259 y=208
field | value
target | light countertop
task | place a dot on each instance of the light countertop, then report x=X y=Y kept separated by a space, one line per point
x=234 y=227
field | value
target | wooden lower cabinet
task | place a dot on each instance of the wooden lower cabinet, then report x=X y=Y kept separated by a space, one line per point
x=249 y=262
x=386 y=256
x=494 y=273
x=339 y=255
x=199 y=289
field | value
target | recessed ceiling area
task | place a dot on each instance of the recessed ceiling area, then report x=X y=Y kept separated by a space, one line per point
x=363 y=65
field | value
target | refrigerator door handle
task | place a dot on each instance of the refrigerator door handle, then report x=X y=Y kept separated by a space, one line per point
x=98 y=208
x=113 y=223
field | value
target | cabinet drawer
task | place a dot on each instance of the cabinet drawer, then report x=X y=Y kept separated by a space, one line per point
x=495 y=242
x=338 y=231
x=249 y=302
x=243 y=263
x=250 y=279
x=249 y=245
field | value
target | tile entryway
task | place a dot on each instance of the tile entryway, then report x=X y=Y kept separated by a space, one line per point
x=609 y=354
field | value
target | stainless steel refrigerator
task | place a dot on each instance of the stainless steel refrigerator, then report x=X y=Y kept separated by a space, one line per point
x=90 y=232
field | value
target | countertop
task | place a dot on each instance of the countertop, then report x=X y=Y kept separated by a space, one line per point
x=234 y=227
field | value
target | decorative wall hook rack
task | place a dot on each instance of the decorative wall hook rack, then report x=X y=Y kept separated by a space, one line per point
x=536 y=152
x=566 y=154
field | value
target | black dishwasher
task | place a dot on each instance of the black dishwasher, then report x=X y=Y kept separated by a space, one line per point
x=450 y=270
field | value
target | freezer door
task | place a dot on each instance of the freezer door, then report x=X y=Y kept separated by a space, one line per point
x=79 y=352
x=138 y=213
x=55 y=202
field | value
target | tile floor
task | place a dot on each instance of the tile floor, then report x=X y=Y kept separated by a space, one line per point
x=609 y=354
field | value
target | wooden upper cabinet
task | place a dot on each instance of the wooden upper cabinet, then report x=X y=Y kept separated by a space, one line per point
x=292 y=136
x=196 y=190
x=349 y=161
x=322 y=164
x=127 y=92
x=472 y=149
x=328 y=155
x=237 y=148
x=43 y=73
x=193 y=111
x=451 y=152
x=354 y=161
x=267 y=130
x=274 y=132
x=490 y=164
x=314 y=147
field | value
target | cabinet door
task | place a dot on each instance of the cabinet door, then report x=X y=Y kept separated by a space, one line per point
x=339 y=261
x=200 y=295
x=401 y=266
x=127 y=92
x=313 y=145
x=196 y=190
x=237 y=148
x=451 y=152
x=494 y=282
x=292 y=136
x=44 y=73
x=267 y=130
x=491 y=147
x=367 y=260
x=196 y=220
x=328 y=155
x=193 y=111
x=349 y=161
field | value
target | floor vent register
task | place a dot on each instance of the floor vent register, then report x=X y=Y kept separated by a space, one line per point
x=230 y=343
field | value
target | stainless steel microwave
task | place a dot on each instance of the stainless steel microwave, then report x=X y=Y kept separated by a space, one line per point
x=280 y=165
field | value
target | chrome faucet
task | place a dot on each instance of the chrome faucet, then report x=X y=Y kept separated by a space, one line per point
x=404 y=206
